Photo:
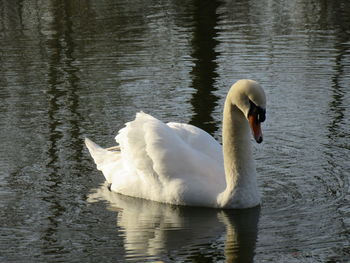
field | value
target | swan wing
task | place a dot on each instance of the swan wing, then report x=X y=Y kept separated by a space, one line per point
x=199 y=140
x=172 y=163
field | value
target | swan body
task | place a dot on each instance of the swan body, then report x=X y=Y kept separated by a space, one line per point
x=181 y=164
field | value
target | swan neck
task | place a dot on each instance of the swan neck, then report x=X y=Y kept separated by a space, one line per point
x=241 y=186
x=236 y=143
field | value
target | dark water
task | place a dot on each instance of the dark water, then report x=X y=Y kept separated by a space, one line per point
x=71 y=69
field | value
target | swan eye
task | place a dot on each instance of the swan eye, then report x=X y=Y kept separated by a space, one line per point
x=261 y=114
x=258 y=111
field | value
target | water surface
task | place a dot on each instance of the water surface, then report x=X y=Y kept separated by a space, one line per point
x=71 y=69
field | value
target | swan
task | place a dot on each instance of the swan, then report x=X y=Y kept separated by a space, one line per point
x=181 y=164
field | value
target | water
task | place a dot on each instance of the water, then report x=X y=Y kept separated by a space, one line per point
x=71 y=69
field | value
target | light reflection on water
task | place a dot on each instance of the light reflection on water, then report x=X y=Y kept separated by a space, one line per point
x=71 y=69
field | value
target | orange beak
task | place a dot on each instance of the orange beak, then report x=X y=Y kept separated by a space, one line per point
x=255 y=127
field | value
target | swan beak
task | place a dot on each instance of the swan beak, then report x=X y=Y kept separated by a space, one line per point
x=255 y=127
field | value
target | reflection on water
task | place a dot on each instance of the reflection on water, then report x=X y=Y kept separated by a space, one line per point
x=162 y=232
x=71 y=69
x=62 y=105
x=204 y=71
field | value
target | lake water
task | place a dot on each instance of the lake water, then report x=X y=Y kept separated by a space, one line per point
x=71 y=69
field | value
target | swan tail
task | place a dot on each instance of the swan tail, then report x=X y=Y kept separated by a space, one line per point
x=105 y=159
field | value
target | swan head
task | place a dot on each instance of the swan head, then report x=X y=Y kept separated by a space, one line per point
x=250 y=98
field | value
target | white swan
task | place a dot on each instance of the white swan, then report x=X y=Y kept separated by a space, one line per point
x=181 y=164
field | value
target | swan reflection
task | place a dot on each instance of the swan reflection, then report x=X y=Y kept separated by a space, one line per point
x=156 y=231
